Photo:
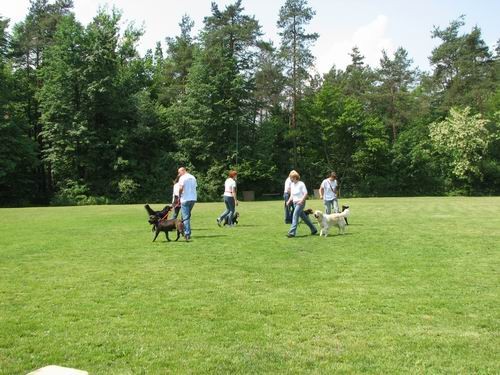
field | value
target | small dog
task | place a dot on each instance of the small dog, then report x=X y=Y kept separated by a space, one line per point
x=235 y=219
x=309 y=211
x=326 y=221
x=166 y=225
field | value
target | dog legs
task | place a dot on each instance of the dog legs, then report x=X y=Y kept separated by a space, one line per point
x=156 y=234
x=343 y=226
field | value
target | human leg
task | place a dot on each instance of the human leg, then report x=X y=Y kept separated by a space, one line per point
x=230 y=204
x=288 y=209
x=298 y=209
x=176 y=212
x=226 y=212
x=186 y=208
x=328 y=207
x=336 y=205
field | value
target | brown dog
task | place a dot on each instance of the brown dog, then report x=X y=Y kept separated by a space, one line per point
x=166 y=225
x=309 y=211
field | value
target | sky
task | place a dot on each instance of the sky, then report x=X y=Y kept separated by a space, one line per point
x=371 y=25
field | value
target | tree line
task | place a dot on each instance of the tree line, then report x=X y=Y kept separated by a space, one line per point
x=85 y=119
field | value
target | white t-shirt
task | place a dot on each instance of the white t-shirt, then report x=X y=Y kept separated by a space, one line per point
x=188 y=184
x=297 y=190
x=229 y=186
x=329 y=188
x=175 y=191
x=287 y=184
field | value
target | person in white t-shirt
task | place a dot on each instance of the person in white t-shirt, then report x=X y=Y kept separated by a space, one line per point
x=229 y=199
x=298 y=196
x=286 y=196
x=176 y=199
x=328 y=192
x=187 y=192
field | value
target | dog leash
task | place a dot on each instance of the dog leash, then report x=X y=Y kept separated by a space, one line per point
x=166 y=215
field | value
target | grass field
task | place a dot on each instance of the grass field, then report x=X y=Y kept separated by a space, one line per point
x=413 y=287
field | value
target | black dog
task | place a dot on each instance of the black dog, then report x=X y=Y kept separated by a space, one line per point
x=166 y=225
x=236 y=215
x=161 y=214
x=345 y=207
x=160 y=223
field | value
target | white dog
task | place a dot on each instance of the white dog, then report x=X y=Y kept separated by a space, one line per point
x=333 y=220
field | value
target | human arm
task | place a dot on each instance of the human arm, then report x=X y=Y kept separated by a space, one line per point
x=301 y=202
x=321 y=191
x=234 y=195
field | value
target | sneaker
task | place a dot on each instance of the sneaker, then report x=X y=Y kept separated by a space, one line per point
x=314 y=233
x=290 y=235
x=219 y=222
x=188 y=238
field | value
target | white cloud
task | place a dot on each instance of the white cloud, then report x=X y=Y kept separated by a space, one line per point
x=371 y=39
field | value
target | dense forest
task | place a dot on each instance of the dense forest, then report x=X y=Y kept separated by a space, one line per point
x=85 y=119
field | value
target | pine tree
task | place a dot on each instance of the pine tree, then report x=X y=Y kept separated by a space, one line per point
x=464 y=72
x=30 y=39
x=295 y=51
x=393 y=95
x=18 y=151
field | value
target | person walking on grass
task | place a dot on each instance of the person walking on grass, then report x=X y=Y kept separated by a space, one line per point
x=298 y=196
x=230 y=199
x=328 y=192
x=286 y=196
x=176 y=200
x=187 y=193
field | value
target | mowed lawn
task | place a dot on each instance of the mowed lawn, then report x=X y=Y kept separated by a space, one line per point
x=413 y=287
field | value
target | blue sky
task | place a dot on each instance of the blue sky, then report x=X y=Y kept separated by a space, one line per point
x=371 y=25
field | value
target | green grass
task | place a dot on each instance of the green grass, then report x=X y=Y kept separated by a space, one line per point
x=412 y=288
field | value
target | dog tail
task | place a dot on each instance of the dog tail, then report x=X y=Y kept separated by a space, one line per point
x=149 y=209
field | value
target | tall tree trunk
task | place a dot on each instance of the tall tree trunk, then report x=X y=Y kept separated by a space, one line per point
x=294 y=94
